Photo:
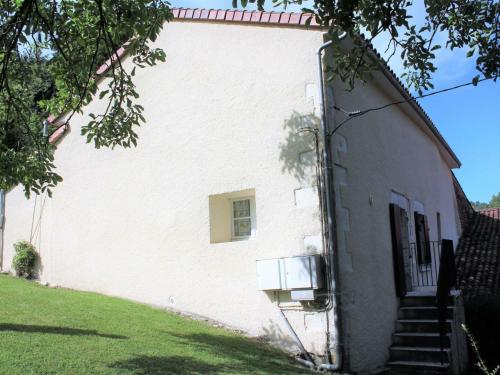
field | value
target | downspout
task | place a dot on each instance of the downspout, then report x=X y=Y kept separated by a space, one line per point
x=330 y=210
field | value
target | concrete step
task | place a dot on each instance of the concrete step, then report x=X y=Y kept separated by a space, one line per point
x=419 y=339
x=415 y=367
x=422 y=312
x=421 y=301
x=420 y=325
x=418 y=354
x=418 y=301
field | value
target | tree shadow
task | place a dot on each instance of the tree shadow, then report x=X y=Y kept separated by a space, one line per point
x=167 y=365
x=56 y=330
x=248 y=356
x=274 y=335
x=298 y=151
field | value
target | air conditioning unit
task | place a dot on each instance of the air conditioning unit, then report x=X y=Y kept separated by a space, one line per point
x=292 y=273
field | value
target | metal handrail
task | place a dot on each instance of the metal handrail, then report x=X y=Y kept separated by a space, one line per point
x=447 y=279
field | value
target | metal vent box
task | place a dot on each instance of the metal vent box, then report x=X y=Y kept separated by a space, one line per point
x=299 y=272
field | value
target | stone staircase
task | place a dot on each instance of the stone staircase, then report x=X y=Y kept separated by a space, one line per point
x=416 y=344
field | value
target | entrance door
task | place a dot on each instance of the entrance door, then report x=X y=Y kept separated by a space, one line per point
x=400 y=249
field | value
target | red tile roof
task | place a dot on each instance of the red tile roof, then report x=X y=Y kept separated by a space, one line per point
x=255 y=16
x=491 y=212
x=478 y=256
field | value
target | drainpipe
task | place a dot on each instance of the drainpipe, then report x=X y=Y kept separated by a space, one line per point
x=330 y=207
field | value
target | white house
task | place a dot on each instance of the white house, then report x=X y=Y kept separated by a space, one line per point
x=217 y=211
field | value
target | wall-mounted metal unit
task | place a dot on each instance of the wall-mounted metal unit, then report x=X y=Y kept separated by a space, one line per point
x=303 y=295
x=299 y=272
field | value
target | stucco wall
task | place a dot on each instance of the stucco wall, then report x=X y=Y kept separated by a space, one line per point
x=380 y=153
x=135 y=223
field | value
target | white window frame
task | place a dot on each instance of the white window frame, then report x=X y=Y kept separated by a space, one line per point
x=252 y=218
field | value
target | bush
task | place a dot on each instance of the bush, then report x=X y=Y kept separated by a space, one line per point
x=25 y=258
x=482 y=315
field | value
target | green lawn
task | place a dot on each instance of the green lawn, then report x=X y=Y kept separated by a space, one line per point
x=58 y=331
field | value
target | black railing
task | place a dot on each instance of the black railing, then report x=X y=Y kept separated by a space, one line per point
x=422 y=263
x=446 y=281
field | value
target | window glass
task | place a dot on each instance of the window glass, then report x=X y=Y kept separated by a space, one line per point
x=242 y=227
x=241 y=208
x=242 y=220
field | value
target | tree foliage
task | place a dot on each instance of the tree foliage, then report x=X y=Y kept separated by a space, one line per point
x=49 y=53
x=466 y=24
x=493 y=203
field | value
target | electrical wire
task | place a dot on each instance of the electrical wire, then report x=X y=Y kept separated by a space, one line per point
x=354 y=114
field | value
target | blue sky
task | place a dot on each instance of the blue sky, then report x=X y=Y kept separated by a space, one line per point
x=469 y=118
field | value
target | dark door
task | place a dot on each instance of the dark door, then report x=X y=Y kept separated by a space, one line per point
x=422 y=240
x=400 y=249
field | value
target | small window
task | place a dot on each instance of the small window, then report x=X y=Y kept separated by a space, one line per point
x=232 y=216
x=242 y=218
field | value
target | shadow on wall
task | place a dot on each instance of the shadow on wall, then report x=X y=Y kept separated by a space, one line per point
x=55 y=330
x=36 y=232
x=237 y=354
x=38 y=268
x=275 y=336
x=298 y=152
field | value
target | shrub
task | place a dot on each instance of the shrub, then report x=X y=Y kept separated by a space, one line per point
x=480 y=362
x=482 y=315
x=25 y=258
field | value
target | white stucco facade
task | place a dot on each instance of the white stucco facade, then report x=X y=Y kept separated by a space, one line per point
x=382 y=158
x=222 y=117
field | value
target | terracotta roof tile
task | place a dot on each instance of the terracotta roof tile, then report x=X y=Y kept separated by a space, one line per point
x=275 y=17
x=255 y=16
x=247 y=16
x=478 y=256
x=491 y=212
x=265 y=17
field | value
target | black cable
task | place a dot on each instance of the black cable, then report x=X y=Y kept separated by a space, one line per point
x=356 y=114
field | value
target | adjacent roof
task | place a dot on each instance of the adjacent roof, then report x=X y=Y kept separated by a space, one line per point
x=478 y=257
x=491 y=212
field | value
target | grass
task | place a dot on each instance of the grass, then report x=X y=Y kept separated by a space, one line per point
x=59 y=331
